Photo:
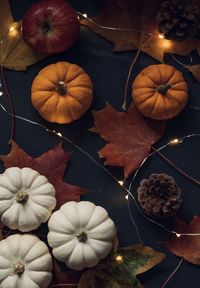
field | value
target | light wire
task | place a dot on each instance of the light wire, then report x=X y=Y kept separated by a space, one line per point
x=109 y=173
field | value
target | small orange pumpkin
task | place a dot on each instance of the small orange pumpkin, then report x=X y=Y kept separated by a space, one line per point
x=62 y=92
x=160 y=92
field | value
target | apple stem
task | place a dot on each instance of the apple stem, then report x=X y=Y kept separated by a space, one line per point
x=61 y=88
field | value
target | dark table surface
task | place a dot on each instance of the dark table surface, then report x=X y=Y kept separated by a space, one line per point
x=109 y=72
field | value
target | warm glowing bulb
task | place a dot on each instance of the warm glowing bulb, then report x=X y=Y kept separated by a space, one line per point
x=126 y=197
x=85 y=15
x=178 y=235
x=161 y=36
x=59 y=134
x=175 y=141
x=1 y=93
x=121 y=183
x=13 y=30
x=119 y=258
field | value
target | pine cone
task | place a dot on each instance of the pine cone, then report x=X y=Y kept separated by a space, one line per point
x=159 y=195
x=179 y=19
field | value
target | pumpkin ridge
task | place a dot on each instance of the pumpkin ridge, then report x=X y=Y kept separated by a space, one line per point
x=43 y=106
x=74 y=74
x=44 y=219
x=146 y=75
x=173 y=86
x=167 y=80
x=45 y=99
x=170 y=96
x=29 y=251
x=24 y=170
x=77 y=100
x=165 y=107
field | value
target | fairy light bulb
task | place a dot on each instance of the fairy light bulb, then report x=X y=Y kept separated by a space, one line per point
x=13 y=30
x=178 y=235
x=119 y=258
x=121 y=182
x=161 y=36
x=126 y=197
x=85 y=15
x=175 y=141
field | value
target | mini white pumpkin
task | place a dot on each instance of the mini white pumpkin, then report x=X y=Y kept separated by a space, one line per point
x=81 y=234
x=25 y=262
x=26 y=199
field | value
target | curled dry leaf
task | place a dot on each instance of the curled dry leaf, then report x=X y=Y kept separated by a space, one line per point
x=68 y=278
x=195 y=69
x=14 y=52
x=128 y=135
x=143 y=31
x=121 y=268
x=51 y=164
x=187 y=247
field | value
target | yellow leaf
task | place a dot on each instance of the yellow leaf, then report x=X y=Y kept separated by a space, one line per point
x=14 y=52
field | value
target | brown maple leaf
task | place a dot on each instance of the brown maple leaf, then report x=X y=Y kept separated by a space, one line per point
x=129 y=136
x=195 y=69
x=14 y=52
x=187 y=247
x=66 y=277
x=51 y=164
x=143 y=33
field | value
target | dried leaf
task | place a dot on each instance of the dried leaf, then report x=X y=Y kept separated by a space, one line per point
x=51 y=164
x=195 y=69
x=129 y=136
x=157 y=47
x=14 y=52
x=187 y=247
x=126 y=14
x=121 y=268
x=67 y=278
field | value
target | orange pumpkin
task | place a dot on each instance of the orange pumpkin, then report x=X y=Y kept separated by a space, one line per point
x=62 y=92
x=160 y=92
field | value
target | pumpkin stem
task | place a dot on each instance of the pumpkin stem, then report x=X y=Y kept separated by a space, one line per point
x=19 y=268
x=22 y=197
x=162 y=89
x=82 y=237
x=61 y=88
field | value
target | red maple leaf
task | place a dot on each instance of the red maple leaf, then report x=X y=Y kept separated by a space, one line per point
x=51 y=164
x=129 y=136
x=187 y=247
x=64 y=278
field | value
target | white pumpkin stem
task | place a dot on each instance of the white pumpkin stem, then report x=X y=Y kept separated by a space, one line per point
x=22 y=197
x=19 y=268
x=61 y=88
x=82 y=237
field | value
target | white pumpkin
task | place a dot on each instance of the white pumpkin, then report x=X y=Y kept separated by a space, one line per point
x=25 y=262
x=26 y=199
x=81 y=234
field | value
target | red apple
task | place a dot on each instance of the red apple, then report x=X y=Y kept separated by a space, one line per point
x=50 y=26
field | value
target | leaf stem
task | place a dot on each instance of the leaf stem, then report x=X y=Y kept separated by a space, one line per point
x=10 y=104
x=197 y=182
x=172 y=274
x=124 y=106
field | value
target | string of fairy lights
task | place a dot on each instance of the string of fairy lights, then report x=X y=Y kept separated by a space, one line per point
x=13 y=31
x=176 y=141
